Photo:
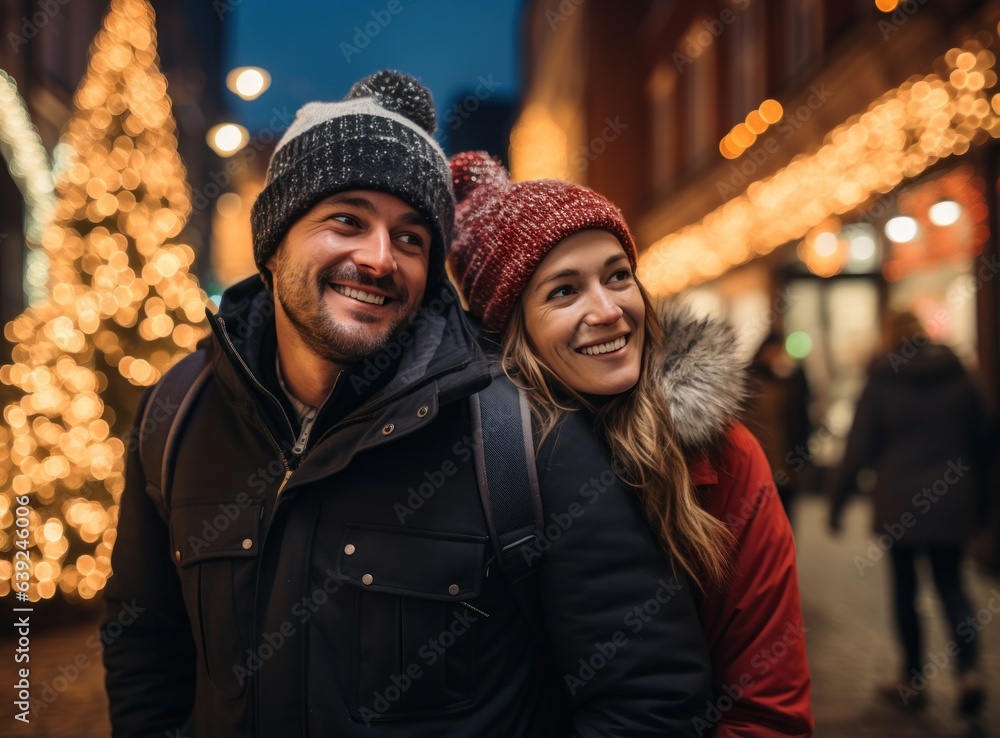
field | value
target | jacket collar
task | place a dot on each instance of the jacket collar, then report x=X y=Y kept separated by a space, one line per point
x=705 y=380
x=438 y=347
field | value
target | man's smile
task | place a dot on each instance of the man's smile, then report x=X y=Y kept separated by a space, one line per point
x=370 y=298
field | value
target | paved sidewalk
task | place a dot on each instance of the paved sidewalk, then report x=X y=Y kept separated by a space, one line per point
x=66 y=674
x=851 y=646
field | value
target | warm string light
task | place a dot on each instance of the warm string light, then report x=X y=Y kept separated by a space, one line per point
x=900 y=135
x=122 y=308
x=824 y=250
x=745 y=134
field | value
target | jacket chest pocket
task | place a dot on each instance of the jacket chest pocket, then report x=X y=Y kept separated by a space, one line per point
x=414 y=651
x=215 y=545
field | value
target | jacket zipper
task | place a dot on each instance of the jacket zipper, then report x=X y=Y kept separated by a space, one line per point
x=288 y=473
x=257 y=383
x=308 y=424
x=270 y=436
x=263 y=423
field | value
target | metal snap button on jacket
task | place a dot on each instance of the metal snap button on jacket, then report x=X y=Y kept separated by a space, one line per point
x=349 y=549
x=422 y=412
x=453 y=589
x=387 y=429
x=247 y=543
x=367 y=579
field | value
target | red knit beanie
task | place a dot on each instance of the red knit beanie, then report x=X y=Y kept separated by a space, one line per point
x=503 y=230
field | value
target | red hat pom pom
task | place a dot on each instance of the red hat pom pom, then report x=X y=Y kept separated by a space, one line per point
x=473 y=169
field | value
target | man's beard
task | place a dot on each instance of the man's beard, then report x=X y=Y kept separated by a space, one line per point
x=304 y=302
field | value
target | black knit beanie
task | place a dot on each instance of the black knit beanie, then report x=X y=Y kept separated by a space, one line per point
x=380 y=137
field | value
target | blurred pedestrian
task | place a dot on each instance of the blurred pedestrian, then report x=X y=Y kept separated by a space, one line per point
x=920 y=423
x=778 y=414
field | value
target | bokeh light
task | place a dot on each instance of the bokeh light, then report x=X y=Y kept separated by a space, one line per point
x=248 y=82
x=945 y=213
x=799 y=344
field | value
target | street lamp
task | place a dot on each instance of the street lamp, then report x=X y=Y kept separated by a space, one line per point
x=248 y=82
x=227 y=138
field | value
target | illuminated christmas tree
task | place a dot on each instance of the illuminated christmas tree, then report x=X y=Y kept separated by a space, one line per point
x=122 y=308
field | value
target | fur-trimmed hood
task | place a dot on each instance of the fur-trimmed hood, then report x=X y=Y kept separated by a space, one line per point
x=705 y=379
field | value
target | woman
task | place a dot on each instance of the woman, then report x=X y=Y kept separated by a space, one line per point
x=548 y=269
x=920 y=423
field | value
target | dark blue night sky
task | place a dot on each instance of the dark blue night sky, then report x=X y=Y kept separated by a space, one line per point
x=315 y=50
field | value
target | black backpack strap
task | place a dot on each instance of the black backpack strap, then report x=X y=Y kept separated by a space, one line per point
x=159 y=429
x=508 y=485
x=508 y=479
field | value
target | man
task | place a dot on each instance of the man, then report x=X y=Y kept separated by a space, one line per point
x=317 y=560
